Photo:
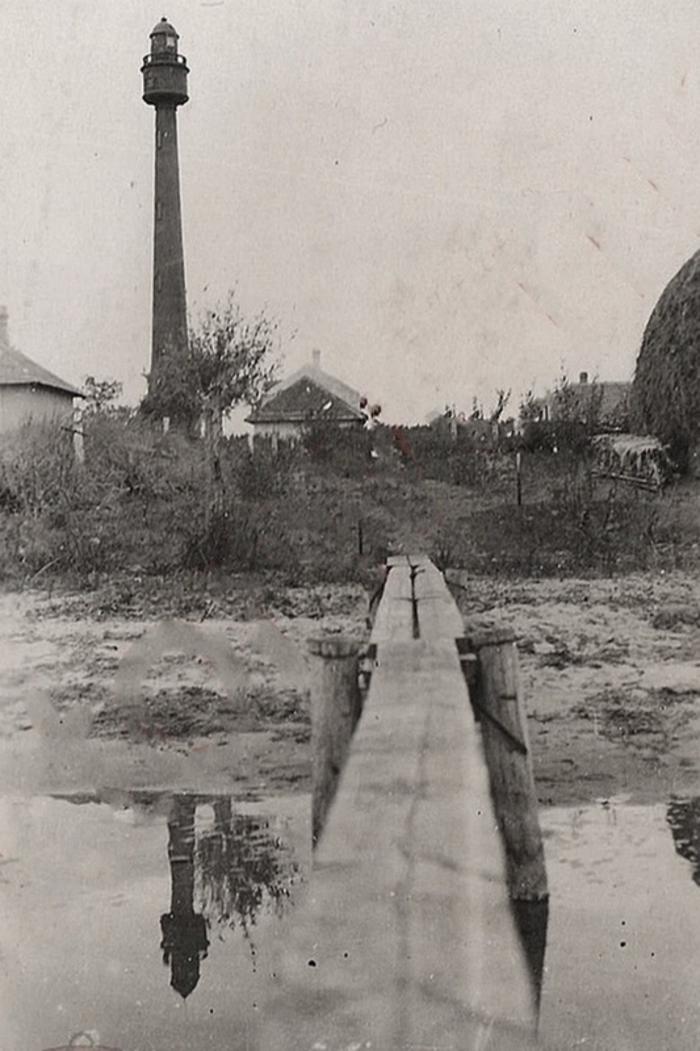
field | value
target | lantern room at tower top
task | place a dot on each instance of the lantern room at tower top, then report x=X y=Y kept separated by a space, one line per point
x=164 y=70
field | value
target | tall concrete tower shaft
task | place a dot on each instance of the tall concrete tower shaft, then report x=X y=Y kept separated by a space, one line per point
x=165 y=87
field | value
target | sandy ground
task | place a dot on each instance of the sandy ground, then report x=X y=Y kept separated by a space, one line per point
x=611 y=674
x=217 y=704
x=611 y=677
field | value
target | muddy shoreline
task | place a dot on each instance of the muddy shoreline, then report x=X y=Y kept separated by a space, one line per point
x=611 y=677
x=610 y=668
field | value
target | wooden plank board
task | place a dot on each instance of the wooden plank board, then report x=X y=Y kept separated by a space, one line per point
x=438 y=615
x=457 y=578
x=406 y=937
x=419 y=560
x=439 y=618
x=397 y=560
x=428 y=578
x=394 y=618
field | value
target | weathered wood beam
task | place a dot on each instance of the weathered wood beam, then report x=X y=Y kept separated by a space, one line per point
x=406 y=936
x=335 y=710
x=497 y=692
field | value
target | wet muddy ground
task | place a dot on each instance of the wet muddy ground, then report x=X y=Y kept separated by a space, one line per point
x=216 y=703
x=155 y=836
x=611 y=673
x=611 y=677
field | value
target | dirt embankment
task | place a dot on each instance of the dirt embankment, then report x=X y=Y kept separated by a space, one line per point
x=220 y=703
x=611 y=674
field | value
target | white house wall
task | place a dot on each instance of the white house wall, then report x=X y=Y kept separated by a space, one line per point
x=287 y=431
x=20 y=405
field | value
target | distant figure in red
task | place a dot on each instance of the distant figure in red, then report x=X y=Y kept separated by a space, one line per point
x=402 y=444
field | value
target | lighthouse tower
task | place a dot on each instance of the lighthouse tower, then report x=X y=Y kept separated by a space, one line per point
x=165 y=87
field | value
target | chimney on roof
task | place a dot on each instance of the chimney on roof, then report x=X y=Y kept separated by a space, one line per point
x=583 y=377
x=316 y=359
x=4 y=338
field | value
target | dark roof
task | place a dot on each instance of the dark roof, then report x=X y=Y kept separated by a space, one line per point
x=309 y=393
x=163 y=27
x=17 y=370
x=612 y=394
x=304 y=400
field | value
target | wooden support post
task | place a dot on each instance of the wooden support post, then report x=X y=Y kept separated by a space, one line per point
x=335 y=709
x=532 y=919
x=498 y=699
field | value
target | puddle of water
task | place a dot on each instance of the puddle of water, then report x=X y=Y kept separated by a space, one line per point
x=148 y=919
x=623 y=944
x=152 y=919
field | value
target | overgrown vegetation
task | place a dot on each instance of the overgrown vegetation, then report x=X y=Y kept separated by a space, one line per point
x=321 y=510
x=230 y=359
x=149 y=504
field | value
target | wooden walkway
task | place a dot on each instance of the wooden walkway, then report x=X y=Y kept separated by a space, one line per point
x=406 y=938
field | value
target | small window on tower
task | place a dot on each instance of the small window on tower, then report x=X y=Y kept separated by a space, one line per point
x=170 y=42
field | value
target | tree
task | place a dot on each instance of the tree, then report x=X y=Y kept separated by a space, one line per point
x=99 y=395
x=503 y=397
x=173 y=391
x=530 y=410
x=232 y=360
x=575 y=413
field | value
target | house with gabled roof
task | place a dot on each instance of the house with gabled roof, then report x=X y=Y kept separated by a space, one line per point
x=307 y=396
x=29 y=392
x=606 y=401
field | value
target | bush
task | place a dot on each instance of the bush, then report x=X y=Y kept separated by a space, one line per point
x=346 y=452
x=142 y=503
x=264 y=472
x=576 y=524
x=242 y=536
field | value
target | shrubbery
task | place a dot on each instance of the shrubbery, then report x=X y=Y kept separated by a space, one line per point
x=322 y=509
x=140 y=502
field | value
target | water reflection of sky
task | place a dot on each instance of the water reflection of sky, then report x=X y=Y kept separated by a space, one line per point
x=84 y=891
x=623 y=951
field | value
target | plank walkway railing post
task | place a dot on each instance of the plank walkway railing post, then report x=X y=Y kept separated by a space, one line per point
x=335 y=709
x=498 y=698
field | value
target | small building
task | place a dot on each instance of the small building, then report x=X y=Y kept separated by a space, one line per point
x=480 y=430
x=29 y=392
x=605 y=401
x=306 y=396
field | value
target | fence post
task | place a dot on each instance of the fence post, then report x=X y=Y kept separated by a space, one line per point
x=335 y=709
x=498 y=699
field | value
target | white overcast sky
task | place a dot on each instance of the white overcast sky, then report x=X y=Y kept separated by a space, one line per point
x=444 y=197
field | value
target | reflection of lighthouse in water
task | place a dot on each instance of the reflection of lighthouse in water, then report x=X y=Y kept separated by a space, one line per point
x=184 y=931
x=233 y=867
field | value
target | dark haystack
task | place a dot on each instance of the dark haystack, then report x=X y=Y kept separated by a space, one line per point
x=666 y=388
